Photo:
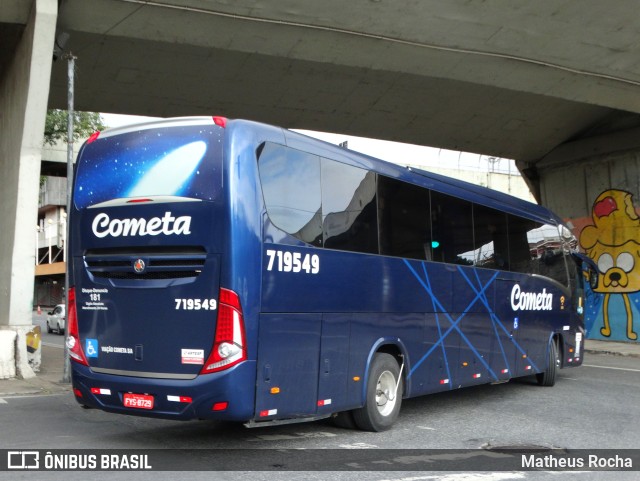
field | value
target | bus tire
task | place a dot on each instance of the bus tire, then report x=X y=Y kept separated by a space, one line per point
x=382 y=404
x=548 y=377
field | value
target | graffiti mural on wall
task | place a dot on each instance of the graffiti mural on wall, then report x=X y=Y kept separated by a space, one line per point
x=613 y=242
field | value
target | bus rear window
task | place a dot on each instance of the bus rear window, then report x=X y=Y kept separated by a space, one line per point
x=184 y=161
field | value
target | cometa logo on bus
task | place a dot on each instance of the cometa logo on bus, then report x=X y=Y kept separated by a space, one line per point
x=530 y=301
x=103 y=226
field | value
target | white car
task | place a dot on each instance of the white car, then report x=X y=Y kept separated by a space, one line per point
x=56 y=319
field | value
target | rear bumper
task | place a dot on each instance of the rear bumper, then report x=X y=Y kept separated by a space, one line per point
x=235 y=387
x=572 y=348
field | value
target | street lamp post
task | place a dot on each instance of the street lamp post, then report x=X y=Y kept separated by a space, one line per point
x=71 y=66
x=63 y=235
x=37 y=242
x=49 y=222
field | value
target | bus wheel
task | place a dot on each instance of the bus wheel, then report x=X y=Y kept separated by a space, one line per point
x=548 y=377
x=382 y=403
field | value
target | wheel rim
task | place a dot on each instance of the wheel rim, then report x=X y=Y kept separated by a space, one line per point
x=386 y=393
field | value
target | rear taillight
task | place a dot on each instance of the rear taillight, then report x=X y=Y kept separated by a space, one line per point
x=229 y=346
x=94 y=136
x=73 y=339
x=220 y=121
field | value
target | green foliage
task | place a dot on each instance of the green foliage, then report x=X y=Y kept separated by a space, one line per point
x=84 y=124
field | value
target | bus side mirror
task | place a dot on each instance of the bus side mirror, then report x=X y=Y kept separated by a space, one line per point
x=593 y=278
x=588 y=267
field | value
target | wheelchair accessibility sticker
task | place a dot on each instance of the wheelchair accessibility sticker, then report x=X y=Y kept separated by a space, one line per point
x=92 y=348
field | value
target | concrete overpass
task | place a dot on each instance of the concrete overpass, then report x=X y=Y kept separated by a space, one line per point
x=555 y=85
x=516 y=80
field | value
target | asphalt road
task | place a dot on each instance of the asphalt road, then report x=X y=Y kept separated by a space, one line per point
x=592 y=407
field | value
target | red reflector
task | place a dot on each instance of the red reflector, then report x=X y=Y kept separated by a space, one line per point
x=99 y=390
x=221 y=406
x=180 y=399
x=269 y=412
x=77 y=392
x=444 y=381
x=138 y=201
x=477 y=376
x=94 y=136
x=220 y=121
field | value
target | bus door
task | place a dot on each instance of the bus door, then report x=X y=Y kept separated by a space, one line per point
x=476 y=350
x=334 y=363
x=474 y=299
x=504 y=330
x=288 y=364
x=533 y=327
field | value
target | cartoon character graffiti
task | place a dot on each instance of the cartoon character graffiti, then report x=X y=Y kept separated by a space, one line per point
x=613 y=242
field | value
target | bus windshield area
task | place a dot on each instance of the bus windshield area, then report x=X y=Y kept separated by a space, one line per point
x=180 y=161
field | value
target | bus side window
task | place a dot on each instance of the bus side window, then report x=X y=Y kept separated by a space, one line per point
x=291 y=189
x=521 y=258
x=349 y=216
x=452 y=229
x=403 y=213
x=490 y=238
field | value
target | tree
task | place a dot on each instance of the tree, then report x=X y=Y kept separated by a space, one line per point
x=84 y=124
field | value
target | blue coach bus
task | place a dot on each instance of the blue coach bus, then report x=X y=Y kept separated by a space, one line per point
x=226 y=269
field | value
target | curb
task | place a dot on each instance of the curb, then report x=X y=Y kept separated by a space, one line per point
x=611 y=353
x=33 y=387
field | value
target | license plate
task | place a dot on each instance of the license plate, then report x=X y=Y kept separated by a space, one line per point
x=138 y=401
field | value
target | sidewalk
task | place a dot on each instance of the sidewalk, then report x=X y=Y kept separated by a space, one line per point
x=48 y=380
x=632 y=349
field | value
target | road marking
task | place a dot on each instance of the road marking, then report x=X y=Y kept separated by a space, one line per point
x=286 y=437
x=358 y=446
x=50 y=344
x=3 y=400
x=614 y=368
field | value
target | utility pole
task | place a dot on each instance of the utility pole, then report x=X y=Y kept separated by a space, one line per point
x=71 y=67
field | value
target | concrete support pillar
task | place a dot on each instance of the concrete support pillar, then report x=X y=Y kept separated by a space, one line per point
x=24 y=92
x=594 y=184
x=574 y=174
